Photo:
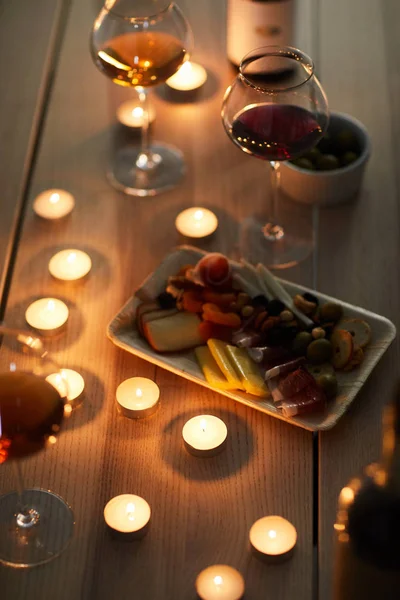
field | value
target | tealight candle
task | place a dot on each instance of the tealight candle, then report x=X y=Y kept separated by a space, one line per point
x=127 y=516
x=138 y=397
x=47 y=315
x=70 y=265
x=204 y=435
x=189 y=77
x=273 y=538
x=75 y=385
x=131 y=114
x=53 y=204
x=220 y=582
x=196 y=222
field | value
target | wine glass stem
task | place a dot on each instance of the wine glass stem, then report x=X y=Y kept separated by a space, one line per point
x=147 y=160
x=272 y=230
x=26 y=517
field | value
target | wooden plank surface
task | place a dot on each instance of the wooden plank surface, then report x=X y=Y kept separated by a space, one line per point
x=27 y=40
x=359 y=243
x=202 y=510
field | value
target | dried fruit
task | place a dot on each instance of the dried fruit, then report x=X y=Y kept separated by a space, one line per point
x=342 y=343
x=269 y=323
x=356 y=359
x=260 y=318
x=208 y=330
x=294 y=382
x=359 y=329
x=223 y=300
x=191 y=302
x=212 y=313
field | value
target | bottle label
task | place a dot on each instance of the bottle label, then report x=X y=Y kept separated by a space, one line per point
x=252 y=24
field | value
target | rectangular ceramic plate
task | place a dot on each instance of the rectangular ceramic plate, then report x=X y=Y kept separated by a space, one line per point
x=123 y=333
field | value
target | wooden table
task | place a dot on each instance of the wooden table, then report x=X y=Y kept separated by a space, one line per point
x=202 y=511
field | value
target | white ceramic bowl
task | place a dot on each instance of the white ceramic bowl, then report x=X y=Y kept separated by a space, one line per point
x=327 y=188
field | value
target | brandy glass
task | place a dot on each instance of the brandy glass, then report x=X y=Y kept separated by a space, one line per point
x=275 y=110
x=140 y=44
x=35 y=525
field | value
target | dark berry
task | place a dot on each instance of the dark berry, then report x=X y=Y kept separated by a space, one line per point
x=275 y=307
x=166 y=300
x=260 y=301
x=274 y=337
x=311 y=298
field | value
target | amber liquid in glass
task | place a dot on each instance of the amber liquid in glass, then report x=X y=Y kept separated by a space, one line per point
x=31 y=410
x=141 y=59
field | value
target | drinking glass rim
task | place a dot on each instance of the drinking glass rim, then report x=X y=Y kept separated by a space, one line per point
x=284 y=51
x=136 y=19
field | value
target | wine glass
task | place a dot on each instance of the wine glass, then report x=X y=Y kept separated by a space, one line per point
x=275 y=110
x=35 y=525
x=140 y=44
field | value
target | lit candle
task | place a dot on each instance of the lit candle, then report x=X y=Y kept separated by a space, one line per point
x=53 y=204
x=189 y=77
x=273 y=538
x=47 y=315
x=127 y=516
x=138 y=397
x=70 y=264
x=196 y=222
x=220 y=582
x=131 y=114
x=204 y=435
x=75 y=385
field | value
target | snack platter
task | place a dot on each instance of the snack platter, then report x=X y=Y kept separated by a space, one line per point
x=123 y=332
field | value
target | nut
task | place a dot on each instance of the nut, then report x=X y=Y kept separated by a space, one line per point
x=247 y=311
x=260 y=319
x=269 y=323
x=243 y=299
x=304 y=305
x=318 y=333
x=286 y=315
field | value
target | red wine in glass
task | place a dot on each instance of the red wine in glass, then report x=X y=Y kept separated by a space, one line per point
x=275 y=132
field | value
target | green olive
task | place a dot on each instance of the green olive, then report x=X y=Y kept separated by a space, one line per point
x=317 y=370
x=331 y=312
x=301 y=342
x=329 y=384
x=304 y=163
x=313 y=155
x=319 y=351
x=328 y=162
x=347 y=158
x=346 y=140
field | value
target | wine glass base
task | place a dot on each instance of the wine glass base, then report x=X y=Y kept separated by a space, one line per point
x=281 y=253
x=24 y=547
x=125 y=177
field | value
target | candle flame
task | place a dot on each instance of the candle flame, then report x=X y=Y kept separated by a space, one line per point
x=137 y=112
x=67 y=410
x=198 y=215
x=13 y=367
x=139 y=393
x=347 y=495
x=50 y=305
x=272 y=534
x=185 y=68
x=130 y=509
x=339 y=526
x=71 y=257
x=203 y=424
x=218 y=580
x=54 y=198
x=52 y=439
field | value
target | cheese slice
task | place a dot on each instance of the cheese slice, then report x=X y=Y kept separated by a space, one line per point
x=211 y=370
x=248 y=371
x=172 y=333
x=218 y=351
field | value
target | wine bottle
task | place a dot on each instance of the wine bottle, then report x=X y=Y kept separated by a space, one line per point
x=368 y=524
x=255 y=23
